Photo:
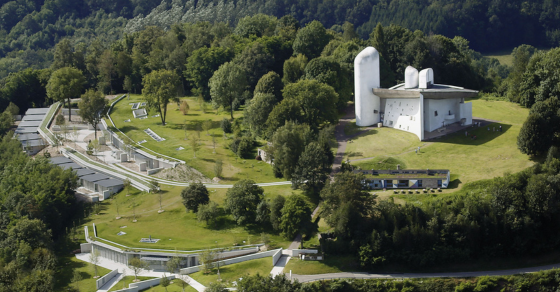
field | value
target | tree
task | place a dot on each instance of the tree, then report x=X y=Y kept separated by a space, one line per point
x=345 y=206
x=255 y=61
x=208 y=212
x=202 y=64
x=311 y=40
x=94 y=258
x=164 y=282
x=276 y=211
x=288 y=142
x=294 y=69
x=59 y=121
x=539 y=132
x=64 y=84
x=226 y=85
x=195 y=195
x=258 y=25
x=184 y=107
x=173 y=264
x=270 y=83
x=126 y=185
x=328 y=71
x=313 y=167
x=263 y=213
x=194 y=143
x=206 y=126
x=306 y=102
x=12 y=109
x=377 y=39
x=91 y=107
x=137 y=266
x=296 y=216
x=218 y=168
x=258 y=109
x=242 y=201
x=206 y=258
x=160 y=88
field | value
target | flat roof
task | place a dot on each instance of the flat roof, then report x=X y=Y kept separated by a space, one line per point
x=29 y=124
x=94 y=177
x=155 y=259
x=110 y=183
x=26 y=130
x=437 y=91
x=60 y=160
x=37 y=111
x=33 y=118
x=30 y=136
x=83 y=172
x=72 y=165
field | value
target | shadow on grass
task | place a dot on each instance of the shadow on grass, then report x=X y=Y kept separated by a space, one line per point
x=354 y=154
x=454 y=183
x=483 y=135
x=128 y=128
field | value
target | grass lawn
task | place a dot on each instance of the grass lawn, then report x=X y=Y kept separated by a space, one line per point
x=67 y=263
x=331 y=264
x=123 y=283
x=175 y=228
x=505 y=57
x=234 y=168
x=490 y=155
x=233 y=272
x=177 y=286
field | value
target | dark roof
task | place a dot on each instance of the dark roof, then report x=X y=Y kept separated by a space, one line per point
x=32 y=143
x=110 y=183
x=83 y=172
x=94 y=177
x=70 y=165
x=37 y=111
x=60 y=160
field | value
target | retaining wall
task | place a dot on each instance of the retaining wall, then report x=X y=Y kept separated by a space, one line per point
x=103 y=280
x=136 y=287
x=236 y=260
x=277 y=255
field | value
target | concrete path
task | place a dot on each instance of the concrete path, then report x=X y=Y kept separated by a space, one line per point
x=112 y=265
x=279 y=266
x=111 y=283
x=309 y=278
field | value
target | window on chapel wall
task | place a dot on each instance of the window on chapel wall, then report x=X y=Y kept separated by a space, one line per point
x=435 y=113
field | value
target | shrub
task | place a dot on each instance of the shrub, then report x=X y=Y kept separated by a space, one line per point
x=226 y=126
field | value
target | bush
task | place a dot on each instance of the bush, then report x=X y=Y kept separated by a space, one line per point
x=226 y=126
x=242 y=146
x=59 y=120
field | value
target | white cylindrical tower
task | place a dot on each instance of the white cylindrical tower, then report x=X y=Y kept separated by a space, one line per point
x=426 y=78
x=366 y=77
x=410 y=77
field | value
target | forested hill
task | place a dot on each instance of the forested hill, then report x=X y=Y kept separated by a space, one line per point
x=27 y=27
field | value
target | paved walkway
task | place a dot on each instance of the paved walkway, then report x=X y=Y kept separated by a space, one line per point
x=309 y=278
x=279 y=266
x=112 y=265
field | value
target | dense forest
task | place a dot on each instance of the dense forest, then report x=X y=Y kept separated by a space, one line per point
x=29 y=29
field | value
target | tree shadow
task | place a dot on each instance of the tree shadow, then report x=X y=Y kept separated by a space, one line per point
x=354 y=154
x=128 y=128
x=208 y=160
x=453 y=184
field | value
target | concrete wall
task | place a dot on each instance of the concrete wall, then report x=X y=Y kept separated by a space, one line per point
x=101 y=281
x=366 y=77
x=85 y=247
x=296 y=252
x=276 y=256
x=443 y=107
x=466 y=112
x=404 y=114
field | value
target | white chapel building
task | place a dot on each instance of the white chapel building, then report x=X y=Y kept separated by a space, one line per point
x=417 y=106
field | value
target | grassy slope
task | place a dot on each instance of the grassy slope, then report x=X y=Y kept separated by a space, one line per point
x=504 y=57
x=234 y=168
x=233 y=272
x=175 y=224
x=490 y=155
